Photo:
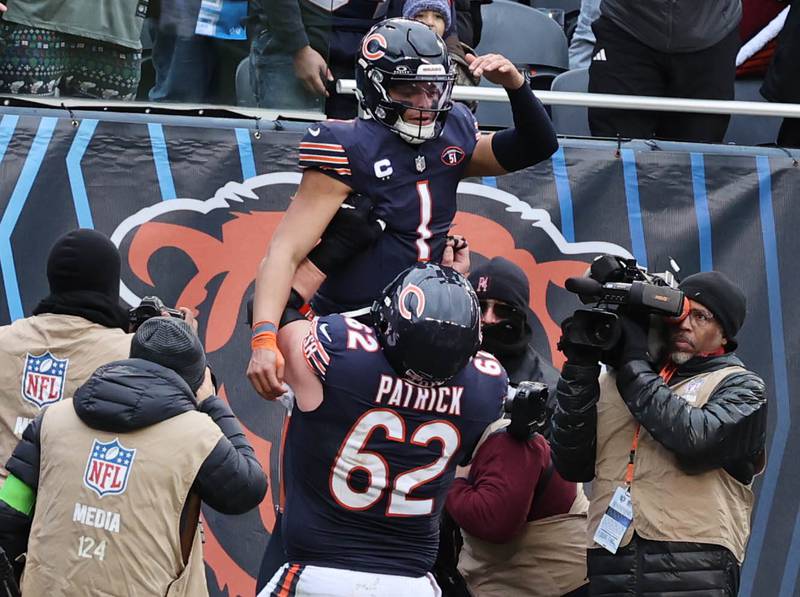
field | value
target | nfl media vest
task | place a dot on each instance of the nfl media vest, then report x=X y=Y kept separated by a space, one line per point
x=44 y=359
x=108 y=508
x=547 y=559
x=668 y=503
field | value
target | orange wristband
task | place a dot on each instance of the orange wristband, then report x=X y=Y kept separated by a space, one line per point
x=268 y=340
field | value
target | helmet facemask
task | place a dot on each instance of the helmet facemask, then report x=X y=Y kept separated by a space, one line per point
x=407 y=91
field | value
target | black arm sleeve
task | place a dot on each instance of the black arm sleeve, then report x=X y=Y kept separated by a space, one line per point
x=230 y=480
x=24 y=461
x=533 y=137
x=574 y=423
x=730 y=427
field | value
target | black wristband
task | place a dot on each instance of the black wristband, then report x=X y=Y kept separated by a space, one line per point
x=533 y=137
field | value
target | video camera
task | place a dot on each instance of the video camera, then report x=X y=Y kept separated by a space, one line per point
x=526 y=406
x=151 y=306
x=616 y=285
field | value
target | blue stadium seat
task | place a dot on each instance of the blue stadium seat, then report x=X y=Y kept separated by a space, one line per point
x=244 y=90
x=524 y=35
x=751 y=130
x=527 y=37
x=571 y=120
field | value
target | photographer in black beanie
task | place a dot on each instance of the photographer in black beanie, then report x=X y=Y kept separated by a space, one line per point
x=77 y=327
x=504 y=293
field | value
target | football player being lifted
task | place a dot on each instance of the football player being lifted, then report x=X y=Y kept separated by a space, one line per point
x=408 y=153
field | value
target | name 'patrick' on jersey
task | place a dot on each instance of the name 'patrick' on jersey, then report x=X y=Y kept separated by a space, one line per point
x=413 y=187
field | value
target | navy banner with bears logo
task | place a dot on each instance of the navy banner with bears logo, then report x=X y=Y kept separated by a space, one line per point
x=192 y=209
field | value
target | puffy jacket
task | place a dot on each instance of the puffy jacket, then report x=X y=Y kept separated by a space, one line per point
x=729 y=431
x=675 y=25
x=127 y=395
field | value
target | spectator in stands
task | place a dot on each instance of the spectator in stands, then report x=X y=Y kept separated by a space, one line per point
x=98 y=495
x=581 y=48
x=672 y=448
x=80 y=49
x=75 y=329
x=300 y=48
x=438 y=15
x=196 y=49
x=782 y=83
x=664 y=48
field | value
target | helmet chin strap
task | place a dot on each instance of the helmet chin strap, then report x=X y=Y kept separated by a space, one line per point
x=414 y=133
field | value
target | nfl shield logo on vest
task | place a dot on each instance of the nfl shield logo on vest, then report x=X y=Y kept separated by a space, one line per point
x=43 y=379
x=108 y=467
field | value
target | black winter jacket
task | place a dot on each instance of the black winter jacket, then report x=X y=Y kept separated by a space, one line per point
x=132 y=394
x=729 y=431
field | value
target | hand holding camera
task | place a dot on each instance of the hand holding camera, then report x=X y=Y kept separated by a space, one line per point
x=152 y=306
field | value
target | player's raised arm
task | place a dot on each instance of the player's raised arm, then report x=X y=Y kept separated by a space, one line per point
x=312 y=208
x=531 y=140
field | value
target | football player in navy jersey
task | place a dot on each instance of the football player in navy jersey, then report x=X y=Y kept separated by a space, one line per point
x=409 y=155
x=383 y=415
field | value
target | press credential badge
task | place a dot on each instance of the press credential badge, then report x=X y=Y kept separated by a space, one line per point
x=615 y=521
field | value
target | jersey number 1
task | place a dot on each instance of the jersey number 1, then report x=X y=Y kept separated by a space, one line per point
x=353 y=457
x=423 y=231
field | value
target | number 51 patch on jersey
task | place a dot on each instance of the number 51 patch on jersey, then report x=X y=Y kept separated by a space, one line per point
x=108 y=467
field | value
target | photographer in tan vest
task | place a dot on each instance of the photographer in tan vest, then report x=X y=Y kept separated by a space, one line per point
x=104 y=489
x=79 y=326
x=672 y=448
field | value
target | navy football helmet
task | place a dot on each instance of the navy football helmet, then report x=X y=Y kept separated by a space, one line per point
x=428 y=323
x=404 y=78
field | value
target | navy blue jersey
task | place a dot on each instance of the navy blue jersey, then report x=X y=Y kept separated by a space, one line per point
x=367 y=473
x=414 y=190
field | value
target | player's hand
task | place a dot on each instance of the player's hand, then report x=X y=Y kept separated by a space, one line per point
x=3 y=7
x=206 y=389
x=496 y=68
x=312 y=70
x=456 y=254
x=462 y=472
x=188 y=317
x=265 y=372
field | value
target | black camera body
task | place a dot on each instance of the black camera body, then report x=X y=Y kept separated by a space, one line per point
x=151 y=306
x=526 y=406
x=616 y=285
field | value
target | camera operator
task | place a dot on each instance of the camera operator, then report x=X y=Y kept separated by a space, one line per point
x=504 y=294
x=672 y=447
x=105 y=489
x=79 y=326
x=523 y=525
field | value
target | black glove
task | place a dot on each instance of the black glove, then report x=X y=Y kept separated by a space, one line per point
x=634 y=338
x=353 y=228
x=577 y=354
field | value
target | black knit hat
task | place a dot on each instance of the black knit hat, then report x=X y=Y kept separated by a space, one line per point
x=716 y=292
x=172 y=343
x=82 y=260
x=501 y=280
